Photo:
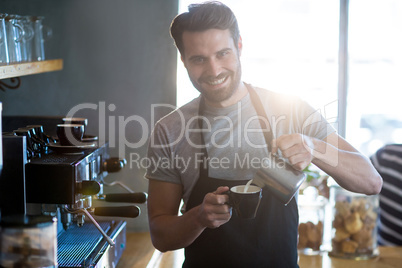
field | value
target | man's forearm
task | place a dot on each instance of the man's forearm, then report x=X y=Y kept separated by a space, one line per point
x=349 y=168
x=169 y=232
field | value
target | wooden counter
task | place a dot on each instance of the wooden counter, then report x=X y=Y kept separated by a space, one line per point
x=140 y=253
x=388 y=257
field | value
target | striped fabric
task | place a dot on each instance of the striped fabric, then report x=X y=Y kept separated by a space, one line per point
x=388 y=162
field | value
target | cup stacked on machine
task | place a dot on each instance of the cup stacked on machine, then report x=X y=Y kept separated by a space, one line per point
x=37 y=140
x=72 y=131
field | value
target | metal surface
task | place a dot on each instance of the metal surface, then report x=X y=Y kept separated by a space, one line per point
x=53 y=178
x=85 y=247
x=343 y=65
x=280 y=178
x=60 y=184
x=12 y=179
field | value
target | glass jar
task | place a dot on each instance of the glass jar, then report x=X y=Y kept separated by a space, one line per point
x=28 y=241
x=354 y=224
x=311 y=224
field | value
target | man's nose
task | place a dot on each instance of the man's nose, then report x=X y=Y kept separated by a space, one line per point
x=213 y=68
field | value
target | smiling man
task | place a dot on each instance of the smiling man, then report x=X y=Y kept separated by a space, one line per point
x=223 y=135
x=212 y=60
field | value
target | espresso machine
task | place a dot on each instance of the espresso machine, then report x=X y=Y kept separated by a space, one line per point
x=41 y=180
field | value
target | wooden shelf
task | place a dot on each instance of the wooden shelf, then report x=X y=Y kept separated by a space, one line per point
x=27 y=68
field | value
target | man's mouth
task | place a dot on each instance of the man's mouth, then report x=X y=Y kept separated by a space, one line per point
x=215 y=82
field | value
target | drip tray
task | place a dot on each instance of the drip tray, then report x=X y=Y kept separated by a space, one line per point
x=85 y=246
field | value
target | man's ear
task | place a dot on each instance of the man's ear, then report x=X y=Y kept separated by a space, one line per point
x=182 y=60
x=240 y=45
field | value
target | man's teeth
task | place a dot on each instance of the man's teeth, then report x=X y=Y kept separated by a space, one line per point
x=216 y=82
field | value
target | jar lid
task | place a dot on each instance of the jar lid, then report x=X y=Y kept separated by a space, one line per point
x=24 y=221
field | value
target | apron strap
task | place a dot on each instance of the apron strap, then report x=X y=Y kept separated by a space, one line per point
x=259 y=108
x=204 y=163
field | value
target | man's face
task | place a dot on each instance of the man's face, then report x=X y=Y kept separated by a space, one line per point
x=212 y=62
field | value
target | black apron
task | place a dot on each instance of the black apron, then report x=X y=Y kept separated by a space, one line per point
x=269 y=240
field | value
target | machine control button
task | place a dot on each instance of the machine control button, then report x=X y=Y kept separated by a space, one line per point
x=114 y=164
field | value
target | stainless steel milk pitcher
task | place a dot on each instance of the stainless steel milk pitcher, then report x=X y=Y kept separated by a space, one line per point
x=279 y=177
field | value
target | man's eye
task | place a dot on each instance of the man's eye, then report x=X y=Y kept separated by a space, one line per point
x=223 y=53
x=198 y=60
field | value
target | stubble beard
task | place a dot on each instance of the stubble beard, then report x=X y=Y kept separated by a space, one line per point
x=222 y=94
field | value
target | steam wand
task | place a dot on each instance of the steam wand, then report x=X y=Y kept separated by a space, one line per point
x=119 y=184
x=108 y=239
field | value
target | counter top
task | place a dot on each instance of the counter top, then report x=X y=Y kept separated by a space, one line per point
x=140 y=253
x=389 y=257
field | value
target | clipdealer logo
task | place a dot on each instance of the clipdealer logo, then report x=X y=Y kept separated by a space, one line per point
x=108 y=124
x=174 y=162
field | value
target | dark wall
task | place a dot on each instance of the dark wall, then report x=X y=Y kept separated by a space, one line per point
x=118 y=60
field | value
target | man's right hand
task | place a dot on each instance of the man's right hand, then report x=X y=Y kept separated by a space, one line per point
x=170 y=231
x=214 y=210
